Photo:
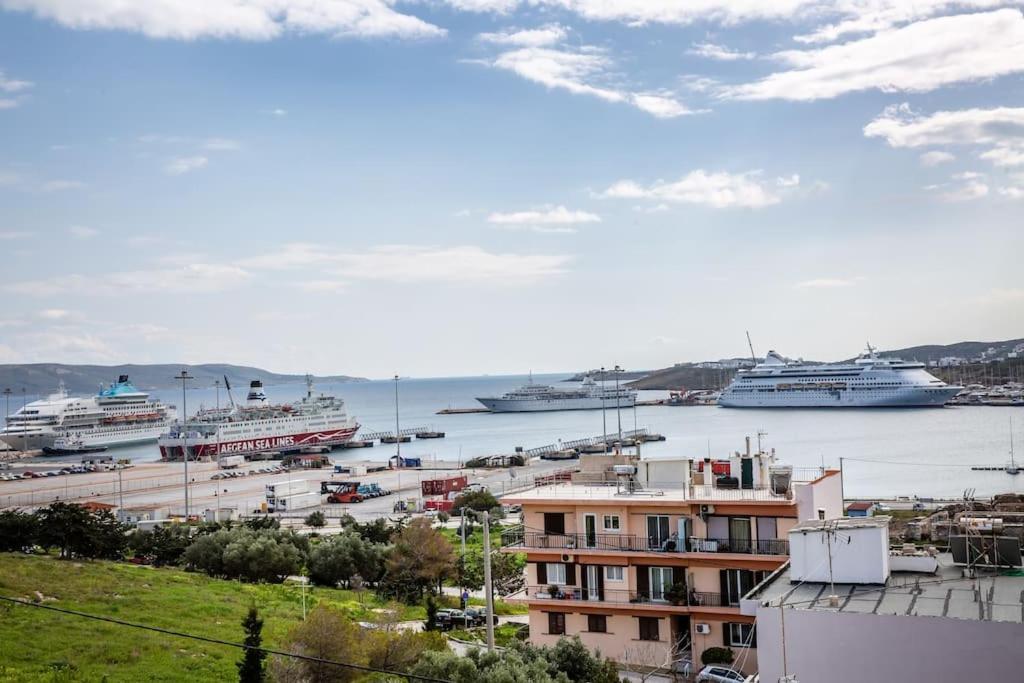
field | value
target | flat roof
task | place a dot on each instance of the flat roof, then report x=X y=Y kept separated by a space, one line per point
x=655 y=494
x=947 y=593
x=843 y=523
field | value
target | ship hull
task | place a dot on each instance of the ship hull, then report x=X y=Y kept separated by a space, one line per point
x=210 y=447
x=542 y=405
x=32 y=441
x=909 y=397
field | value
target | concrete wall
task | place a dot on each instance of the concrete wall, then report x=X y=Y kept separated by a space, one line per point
x=854 y=648
x=824 y=493
x=864 y=559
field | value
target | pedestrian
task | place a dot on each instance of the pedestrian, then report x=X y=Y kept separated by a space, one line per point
x=465 y=598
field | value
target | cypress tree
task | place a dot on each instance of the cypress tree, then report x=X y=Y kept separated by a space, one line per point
x=251 y=668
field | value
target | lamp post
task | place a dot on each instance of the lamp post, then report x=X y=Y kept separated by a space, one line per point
x=604 y=416
x=184 y=377
x=398 y=443
x=24 y=432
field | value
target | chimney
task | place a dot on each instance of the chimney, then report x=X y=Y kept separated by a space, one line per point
x=748 y=446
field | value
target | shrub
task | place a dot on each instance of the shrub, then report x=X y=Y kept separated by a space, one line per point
x=717 y=655
x=316 y=519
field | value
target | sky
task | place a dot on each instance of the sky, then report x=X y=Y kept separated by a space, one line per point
x=458 y=187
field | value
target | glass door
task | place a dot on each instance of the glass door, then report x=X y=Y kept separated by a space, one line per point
x=739 y=534
x=657 y=531
x=661 y=581
x=590 y=531
x=593 y=582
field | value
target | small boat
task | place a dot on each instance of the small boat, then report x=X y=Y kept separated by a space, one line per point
x=66 y=446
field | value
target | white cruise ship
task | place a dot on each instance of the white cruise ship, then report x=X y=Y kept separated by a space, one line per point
x=542 y=397
x=868 y=382
x=259 y=426
x=116 y=416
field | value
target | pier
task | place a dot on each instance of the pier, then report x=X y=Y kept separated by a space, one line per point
x=578 y=445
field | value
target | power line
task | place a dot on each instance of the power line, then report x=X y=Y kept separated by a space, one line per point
x=217 y=641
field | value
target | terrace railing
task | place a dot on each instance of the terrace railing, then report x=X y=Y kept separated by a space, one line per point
x=517 y=537
x=620 y=596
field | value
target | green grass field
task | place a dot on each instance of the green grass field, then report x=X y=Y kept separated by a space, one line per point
x=37 y=645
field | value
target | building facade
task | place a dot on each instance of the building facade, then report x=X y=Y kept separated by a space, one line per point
x=649 y=568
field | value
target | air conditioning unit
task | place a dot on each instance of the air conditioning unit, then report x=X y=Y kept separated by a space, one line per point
x=707 y=509
x=568 y=558
x=702 y=629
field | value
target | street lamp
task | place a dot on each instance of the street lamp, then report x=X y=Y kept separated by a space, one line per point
x=184 y=377
x=398 y=443
x=618 y=404
x=604 y=416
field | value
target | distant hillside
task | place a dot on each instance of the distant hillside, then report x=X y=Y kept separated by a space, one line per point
x=689 y=376
x=609 y=375
x=43 y=378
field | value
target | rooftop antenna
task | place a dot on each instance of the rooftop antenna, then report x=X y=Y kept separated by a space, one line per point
x=761 y=433
x=753 y=356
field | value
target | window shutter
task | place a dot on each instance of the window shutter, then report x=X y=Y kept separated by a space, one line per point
x=723 y=577
x=542 y=573
x=643 y=581
x=570 y=574
x=583 y=581
x=726 y=628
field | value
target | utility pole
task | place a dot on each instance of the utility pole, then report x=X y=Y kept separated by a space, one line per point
x=398 y=443
x=184 y=377
x=488 y=586
x=604 y=416
x=618 y=404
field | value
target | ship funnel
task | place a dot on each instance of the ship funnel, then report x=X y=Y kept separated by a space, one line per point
x=256 y=395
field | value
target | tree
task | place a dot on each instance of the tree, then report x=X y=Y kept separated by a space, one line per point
x=18 y=530
x=316 y=519
x=400 y=650
x=251 y=668
x=431 y=623
x=337 y=559
x=163 y=546
x=570 y=662
x=421 y=558
x=508 y=575
x=325 y=634
x=572 y=658
x=268 y=555
x=475 y=500
x=78 y=532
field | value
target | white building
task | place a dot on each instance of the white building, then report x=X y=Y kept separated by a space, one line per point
x=876 y=616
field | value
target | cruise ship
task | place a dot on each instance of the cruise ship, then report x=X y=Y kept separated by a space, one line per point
x=533 y=398
x=118 y=415
x=868 y=382
x=260 y=426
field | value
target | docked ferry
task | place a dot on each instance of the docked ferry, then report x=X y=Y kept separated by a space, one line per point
x=868 y=382
x=542 y=397
x=119 y=415
x=260 y=426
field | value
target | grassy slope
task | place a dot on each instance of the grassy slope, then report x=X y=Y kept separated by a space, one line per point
x=36 y=645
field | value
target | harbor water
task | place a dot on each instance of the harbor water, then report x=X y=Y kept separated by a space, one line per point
x=885 y=452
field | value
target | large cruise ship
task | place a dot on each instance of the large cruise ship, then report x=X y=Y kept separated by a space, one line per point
x=118 y=415
x=259 y=426
x=542 y=397
x=869 y=381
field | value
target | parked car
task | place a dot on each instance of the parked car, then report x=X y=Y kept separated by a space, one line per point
x=476 y=616
x=443 y=618
x=719 y=674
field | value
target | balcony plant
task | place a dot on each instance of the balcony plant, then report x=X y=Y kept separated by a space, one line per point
x=554 y=591
x=676 y=593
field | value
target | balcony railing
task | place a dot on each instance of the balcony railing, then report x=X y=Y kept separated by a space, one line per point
x=620 y=596
x=518 y=538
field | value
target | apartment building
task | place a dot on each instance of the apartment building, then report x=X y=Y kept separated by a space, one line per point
x=646 y=560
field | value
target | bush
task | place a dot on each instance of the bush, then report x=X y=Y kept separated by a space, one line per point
x=475 y=500
x=316 y=519
x=717 y=655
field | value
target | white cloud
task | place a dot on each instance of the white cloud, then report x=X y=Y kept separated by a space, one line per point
x=54 y=314
x=322 y=286
x=935 y=158
x=719 y=52
x=221 y=145
x=279 y=112
x=791 y=181
x=1000 y=128
x=195 y=278
x=967 y=186
x=180 y=165
x=83 y=232
x=11 y=85
x=14 y=235
x=58 y=185
x=550 y=215
x=549 y=34
x=718 y=190
x=243 y=19
x=919 y=57
x=872 y=16
x=827 y=283
x=586 y=70
x=408 y=264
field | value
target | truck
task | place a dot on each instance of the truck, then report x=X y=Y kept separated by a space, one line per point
x=373 y=491
x=297 y=501
x=440 y=487
x=230 y=462
x=289 y=487
x=341 y=492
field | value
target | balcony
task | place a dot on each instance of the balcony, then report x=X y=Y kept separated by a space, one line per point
x=617 y=596
x=535 y=540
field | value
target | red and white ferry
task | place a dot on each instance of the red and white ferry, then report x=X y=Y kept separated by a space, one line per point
x=260 y=426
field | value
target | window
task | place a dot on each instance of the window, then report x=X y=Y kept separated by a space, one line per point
x=661 y=581
x=597 y=623
x=611 y=522
x=615 y=573
x=556 y=573
x=556 y=623
x=740 y=635
x=648 y=628
x=821 y=513
x=657 y=531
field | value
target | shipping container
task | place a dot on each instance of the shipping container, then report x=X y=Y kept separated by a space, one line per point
x=440 y=487
x=297 y=501
x=290 y=487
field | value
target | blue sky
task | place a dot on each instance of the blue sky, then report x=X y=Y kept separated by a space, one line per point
x=466 y=186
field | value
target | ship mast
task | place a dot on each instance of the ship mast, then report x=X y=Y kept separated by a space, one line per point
x=753 y=356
